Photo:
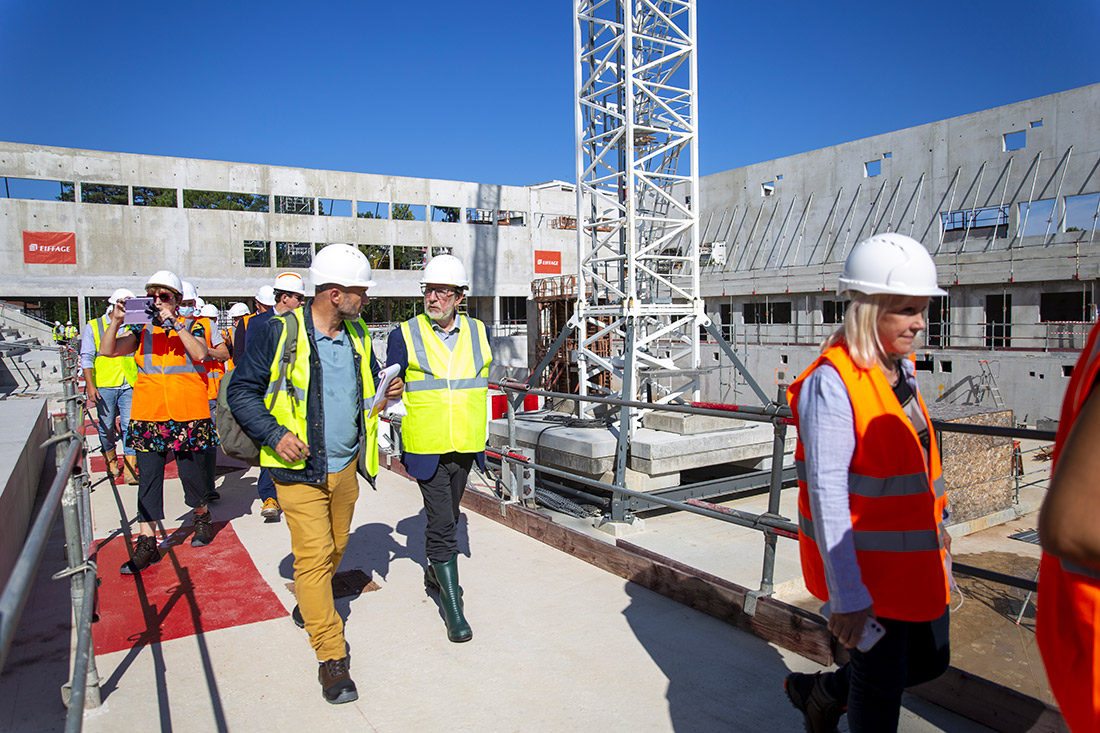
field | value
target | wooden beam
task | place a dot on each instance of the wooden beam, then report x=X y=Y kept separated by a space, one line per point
x=1000 y=708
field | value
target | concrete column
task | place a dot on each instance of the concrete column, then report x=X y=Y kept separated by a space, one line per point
x=496 y=309
x=80 y=309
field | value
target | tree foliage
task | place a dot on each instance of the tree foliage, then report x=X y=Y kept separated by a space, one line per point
x=224 y=200
x=403 y=212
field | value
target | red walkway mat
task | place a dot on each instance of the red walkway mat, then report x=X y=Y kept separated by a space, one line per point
x=191 y=590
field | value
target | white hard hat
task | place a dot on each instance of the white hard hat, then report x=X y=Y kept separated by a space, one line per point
x=238 y=309
x=165 y=279
x=57 y=323
x=890 y=263
x=208 y=310
x=189 y=292
x=199 y=303
x=446 y=270
x=265 y=295
x=68 y=323
x=340 y=264
x=290 y=282
x=120 y=294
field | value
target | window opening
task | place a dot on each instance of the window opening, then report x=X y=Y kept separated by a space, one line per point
x=257 y=253
x=152 y=196
x=998 y=321
x=938 y=321
x=1037 y=123
x=449 y=214
x=832 y=311
x=1014 y=140
x=334 y=207
x=872 y=168
x=945 y=367
x=513 y=309
x=104 y=193
x=484 y=216
x=1082 y=212
x=513 y=218
x=294 y=205
x=1075 y=307
x=377 y=254
x=225 y=200
x=1036 y=218
x=988 y=221
x=372 y=210
x=767 y=189
x=36 y=190
x=409 y=258
x=409 y=212
x=293 y=254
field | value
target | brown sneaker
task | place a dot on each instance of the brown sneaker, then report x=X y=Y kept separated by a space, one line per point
x=204 y=530
x=145 y=553
x=336 y=684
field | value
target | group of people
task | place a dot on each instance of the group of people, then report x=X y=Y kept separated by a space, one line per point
x=872 y=509
x=62 y=334
x=304 y=379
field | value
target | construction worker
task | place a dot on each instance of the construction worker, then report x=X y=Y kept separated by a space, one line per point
x=289 y=292
x=70 y=331
x=1069 y=531
x=170 y=413
x=237 y=314
x=108 y=382
x=265 y=301
x=871 y=497
x=58 y=332
x=217 y=350
x=444 y=359
x=316 y=434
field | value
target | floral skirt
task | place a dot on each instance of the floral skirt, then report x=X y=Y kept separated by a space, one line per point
x=158 y=437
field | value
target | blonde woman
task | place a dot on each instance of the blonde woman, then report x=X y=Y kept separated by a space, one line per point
x=871 y=499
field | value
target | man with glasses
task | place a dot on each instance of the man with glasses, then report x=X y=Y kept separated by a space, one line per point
x=290 y=293
x=444 y=359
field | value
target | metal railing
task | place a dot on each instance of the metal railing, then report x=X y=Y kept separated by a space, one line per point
x=69 y=491
x=770 y=523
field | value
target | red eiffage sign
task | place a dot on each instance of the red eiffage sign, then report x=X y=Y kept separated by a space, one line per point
x=49 y=248
x=547 y=262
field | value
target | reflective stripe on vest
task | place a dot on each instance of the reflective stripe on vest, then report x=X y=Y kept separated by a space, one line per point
x=1069 y=593
x=169 y=385
x=111 y=371
x=289 y=406
x=446 y=390
x=896 y=500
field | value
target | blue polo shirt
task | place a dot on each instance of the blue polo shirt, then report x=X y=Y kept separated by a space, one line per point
x=340 y=401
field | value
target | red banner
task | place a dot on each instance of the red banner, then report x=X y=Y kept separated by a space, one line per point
x=547 y=262
x=50 y=248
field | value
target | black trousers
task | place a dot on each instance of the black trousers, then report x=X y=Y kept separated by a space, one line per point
x=442 y=494
x=872 y=682
x=151 y=481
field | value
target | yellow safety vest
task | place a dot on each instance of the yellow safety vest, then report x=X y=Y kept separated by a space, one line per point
x=446 y=392
x=111 y=371
x=290 y=404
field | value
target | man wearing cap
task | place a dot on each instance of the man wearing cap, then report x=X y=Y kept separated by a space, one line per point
x=289 y=293
x=317 y=432
x=108 y=382
x=444 y=359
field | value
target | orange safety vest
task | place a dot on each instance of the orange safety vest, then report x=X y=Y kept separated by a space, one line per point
x=227 y=338
x=1068 y=616
x=896 y=500
x=169 y=386
x=214 y=368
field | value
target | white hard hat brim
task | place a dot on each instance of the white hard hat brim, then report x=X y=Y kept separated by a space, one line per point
x=849 y=285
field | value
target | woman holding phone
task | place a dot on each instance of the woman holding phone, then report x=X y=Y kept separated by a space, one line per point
x=170 y=412
x=871 y=498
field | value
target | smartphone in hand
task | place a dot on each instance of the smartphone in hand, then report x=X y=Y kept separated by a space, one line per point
x=872 y=631
x=137 y=310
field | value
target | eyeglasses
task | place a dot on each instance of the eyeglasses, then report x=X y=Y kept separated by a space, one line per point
x=163 y=297
x=439 y=292
x=298 y=297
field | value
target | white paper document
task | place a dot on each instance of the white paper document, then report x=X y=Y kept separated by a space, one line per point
x=385 y=377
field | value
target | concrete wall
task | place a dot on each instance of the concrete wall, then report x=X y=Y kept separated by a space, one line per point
x=21 y=462
x=120 y=245
x=789 y=246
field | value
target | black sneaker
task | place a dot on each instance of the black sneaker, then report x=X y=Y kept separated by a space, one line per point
x=820 y=711
x=336 y=684
x=204 y=530
x=296 y=614
x=145 y=553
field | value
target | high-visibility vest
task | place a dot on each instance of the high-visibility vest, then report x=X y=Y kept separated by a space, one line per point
x=227 y=339
x=446 y=391
x=70 y=332
x=111 y=371
x=1068 y=616
x=896 y=500
x=169 y=386
x=290 y=405
x=214 y=368
x=58 y=334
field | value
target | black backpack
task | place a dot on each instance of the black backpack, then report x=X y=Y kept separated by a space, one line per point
x=235 y=441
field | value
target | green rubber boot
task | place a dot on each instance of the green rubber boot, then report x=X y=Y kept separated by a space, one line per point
x=450 y=599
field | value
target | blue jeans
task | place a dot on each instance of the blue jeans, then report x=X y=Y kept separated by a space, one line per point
x=265 y=487
x=113 y=402
x=872 y=682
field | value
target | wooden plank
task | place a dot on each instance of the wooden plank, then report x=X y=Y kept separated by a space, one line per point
x=990 y=704
x=774 y=621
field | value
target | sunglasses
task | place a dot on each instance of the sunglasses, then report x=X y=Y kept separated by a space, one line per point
x=163 y=297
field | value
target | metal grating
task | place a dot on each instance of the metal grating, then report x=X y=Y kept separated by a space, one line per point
x=1030 y=536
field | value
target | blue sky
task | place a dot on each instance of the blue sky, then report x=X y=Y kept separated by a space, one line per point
x=483 y=91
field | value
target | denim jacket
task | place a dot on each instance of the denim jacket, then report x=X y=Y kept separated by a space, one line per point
x=249 y=384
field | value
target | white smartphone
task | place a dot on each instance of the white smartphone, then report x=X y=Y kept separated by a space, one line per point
x=872 y=631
